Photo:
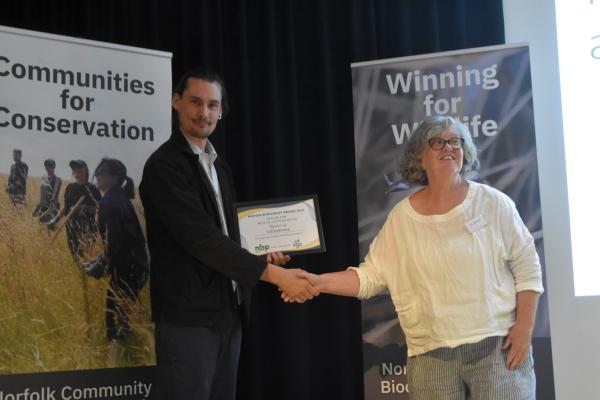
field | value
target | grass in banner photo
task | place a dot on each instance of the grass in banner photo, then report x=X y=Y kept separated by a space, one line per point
x=52 y=314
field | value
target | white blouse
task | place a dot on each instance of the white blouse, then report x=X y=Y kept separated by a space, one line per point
x=453 y=278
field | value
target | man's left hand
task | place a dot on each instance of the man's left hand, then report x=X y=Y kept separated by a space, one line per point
x=278 y=258
x=518 y=341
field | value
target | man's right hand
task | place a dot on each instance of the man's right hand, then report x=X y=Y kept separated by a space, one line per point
x=298 y=288
x=291 y=282
x=313 y=279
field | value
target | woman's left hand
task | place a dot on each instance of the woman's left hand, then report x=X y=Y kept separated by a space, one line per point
x=518 y=341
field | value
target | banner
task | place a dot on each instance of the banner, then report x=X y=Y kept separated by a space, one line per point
x=578 y=40
x=65 y=105
x=489 y=90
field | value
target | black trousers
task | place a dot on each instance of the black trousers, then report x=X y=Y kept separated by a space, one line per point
x=125 y=285
x=196 y=363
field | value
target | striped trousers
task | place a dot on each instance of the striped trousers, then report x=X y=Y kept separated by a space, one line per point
x=474 y=371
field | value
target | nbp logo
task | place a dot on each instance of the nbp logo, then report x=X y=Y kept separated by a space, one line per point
x=261 y=247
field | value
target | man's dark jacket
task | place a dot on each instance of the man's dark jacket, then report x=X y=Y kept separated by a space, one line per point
x=192 y=262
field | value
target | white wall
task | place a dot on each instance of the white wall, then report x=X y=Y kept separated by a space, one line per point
x=574 y=321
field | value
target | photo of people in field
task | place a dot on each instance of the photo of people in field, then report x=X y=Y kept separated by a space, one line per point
x=73 y=267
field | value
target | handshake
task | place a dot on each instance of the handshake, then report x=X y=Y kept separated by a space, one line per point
x=295 y=285
x=300 y=287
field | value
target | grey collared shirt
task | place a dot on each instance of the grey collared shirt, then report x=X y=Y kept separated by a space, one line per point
x=207 y=159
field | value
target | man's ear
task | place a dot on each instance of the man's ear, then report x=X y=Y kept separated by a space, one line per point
x=176 y=101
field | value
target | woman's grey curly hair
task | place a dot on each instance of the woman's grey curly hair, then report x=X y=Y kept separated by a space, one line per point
x=411 y=167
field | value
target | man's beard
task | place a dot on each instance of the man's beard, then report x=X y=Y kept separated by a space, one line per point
x=201 y=134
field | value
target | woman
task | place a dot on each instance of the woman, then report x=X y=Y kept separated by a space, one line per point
x=462 y=271
x=124 y=247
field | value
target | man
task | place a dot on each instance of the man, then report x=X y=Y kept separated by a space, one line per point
x=197 y=267
x=49 y=204
x=17 y=180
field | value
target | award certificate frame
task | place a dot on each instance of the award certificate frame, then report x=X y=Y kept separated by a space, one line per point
x=291 y=225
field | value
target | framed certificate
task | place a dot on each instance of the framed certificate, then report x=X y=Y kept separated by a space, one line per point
x=290 y=225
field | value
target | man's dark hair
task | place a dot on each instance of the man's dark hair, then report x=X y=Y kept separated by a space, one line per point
x=206 y=75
